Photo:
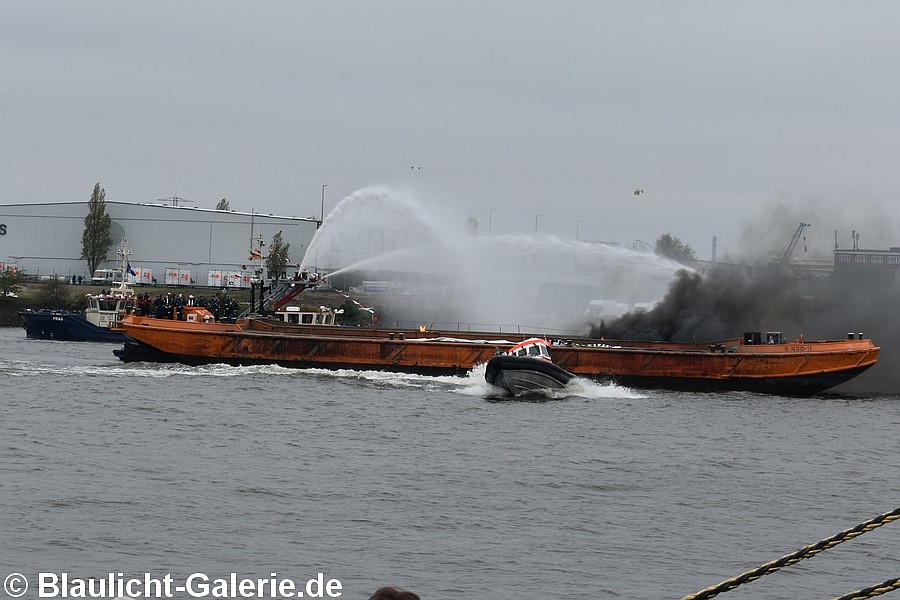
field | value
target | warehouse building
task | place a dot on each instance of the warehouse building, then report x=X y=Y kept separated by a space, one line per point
x=168 y=244
x=886 y=262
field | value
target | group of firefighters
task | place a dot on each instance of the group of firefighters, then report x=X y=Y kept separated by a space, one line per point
x=171 y=306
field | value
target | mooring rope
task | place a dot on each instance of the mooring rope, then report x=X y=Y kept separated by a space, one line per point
x=876 y=590
x=806 y=552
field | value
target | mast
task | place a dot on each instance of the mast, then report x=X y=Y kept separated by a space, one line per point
x=124 y=289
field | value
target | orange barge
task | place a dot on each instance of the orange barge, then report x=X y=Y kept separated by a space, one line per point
x=751 y=363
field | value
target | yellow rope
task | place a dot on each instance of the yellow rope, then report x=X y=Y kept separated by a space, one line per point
x=795 y=557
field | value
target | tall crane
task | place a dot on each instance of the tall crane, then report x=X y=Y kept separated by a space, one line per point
x=791 y=245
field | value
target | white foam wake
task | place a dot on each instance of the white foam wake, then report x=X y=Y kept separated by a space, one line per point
x=470 y=384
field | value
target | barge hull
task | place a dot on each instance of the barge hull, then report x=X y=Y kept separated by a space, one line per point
x=133 y=351
x=800 y=385
x=793 y=368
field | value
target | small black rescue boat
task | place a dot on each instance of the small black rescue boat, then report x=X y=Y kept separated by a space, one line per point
x=526 y=368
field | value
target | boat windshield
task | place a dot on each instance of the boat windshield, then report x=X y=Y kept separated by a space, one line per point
x=535 y=350
x=110 y=303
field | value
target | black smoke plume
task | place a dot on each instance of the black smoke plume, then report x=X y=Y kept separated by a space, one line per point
x=726 y=301
x=722 y=303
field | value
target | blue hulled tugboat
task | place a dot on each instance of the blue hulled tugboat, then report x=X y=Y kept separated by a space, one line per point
x=102 y=312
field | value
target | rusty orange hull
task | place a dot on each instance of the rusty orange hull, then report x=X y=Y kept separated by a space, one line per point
x=256 y=341
x=793 y=368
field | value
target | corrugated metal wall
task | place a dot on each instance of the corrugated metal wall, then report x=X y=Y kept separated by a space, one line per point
x=44 y=239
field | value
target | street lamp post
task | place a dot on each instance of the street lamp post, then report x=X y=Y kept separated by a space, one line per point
x=535 y=224
x=577 y=225
x=322 y=217
x=491 y=220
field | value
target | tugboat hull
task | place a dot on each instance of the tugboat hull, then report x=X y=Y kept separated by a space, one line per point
x=94 y=323
x=65 y=326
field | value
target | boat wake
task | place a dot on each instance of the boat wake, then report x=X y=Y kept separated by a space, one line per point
x=19 y=368
x=585 y=388
x=577 y=388
x=471 y=384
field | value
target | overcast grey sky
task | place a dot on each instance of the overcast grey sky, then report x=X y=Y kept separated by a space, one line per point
x=717 y=109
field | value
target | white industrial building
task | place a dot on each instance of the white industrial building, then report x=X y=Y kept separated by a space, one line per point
x=169 y=244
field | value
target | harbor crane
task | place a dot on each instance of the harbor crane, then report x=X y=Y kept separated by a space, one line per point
x=791 y=245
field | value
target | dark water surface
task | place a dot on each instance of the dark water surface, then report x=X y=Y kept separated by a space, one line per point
x=426 y=483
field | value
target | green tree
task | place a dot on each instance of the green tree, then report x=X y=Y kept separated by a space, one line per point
x=55 y=294
x=673 y=248
x=277 y=260
x=223 y=205
x=351 y=314
x=97 y=238
x=11 y=281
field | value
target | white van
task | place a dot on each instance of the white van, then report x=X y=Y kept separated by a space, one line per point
x=106 y=277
